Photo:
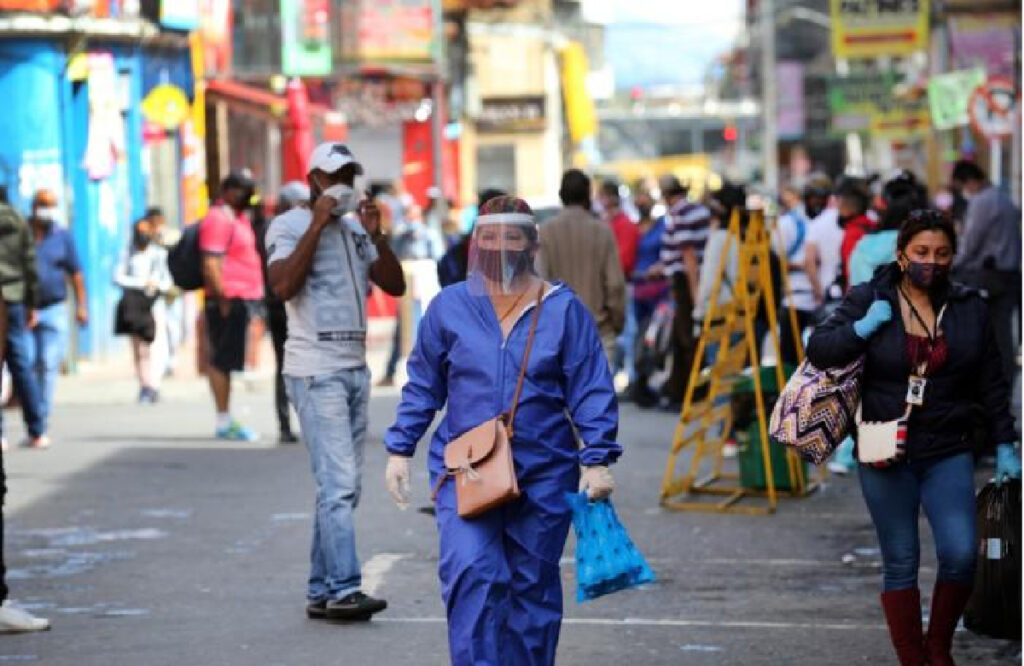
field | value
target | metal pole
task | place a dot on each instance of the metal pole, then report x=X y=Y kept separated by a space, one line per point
x=995 y=150
x=437 y=148
x=439 y=111
x=770 y=139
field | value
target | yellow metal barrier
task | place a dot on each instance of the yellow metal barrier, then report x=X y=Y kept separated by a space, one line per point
x=704 y=426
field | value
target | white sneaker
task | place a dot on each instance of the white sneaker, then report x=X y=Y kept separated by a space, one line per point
x=838 y=468
x=14 y=620
x=41 y=442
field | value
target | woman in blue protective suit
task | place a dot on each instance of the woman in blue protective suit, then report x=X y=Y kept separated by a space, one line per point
x=499 y=571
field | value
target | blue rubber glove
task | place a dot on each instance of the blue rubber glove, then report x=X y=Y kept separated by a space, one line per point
x=1007 y=462
x=879 y=313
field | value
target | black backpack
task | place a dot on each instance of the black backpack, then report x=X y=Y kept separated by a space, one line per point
x=185 y=261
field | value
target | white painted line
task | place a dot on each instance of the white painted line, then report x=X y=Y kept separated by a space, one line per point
x=375 y=569
x=654 y=622
x=866 y=563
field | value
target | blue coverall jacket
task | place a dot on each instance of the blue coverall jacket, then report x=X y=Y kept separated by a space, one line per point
x=499 y=572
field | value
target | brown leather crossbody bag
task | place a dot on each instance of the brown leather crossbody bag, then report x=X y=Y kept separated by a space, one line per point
x=480 y=460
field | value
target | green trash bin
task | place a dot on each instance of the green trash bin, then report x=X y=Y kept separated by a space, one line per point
x=748 y=432
x=751 y=461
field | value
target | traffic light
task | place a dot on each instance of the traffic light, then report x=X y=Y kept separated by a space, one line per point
x=729 y=133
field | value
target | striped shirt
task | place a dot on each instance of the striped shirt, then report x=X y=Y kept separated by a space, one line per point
x=687 y=226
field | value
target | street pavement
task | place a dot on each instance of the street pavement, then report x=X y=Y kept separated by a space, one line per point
x=147 y=543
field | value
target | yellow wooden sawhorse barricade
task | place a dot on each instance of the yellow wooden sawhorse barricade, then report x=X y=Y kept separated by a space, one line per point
x=704 y=425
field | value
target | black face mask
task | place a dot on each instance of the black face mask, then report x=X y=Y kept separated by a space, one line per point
x=645 y=211
x=927 y=275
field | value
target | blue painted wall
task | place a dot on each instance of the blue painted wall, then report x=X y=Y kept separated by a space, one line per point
x=30 y=134
x=42 y=144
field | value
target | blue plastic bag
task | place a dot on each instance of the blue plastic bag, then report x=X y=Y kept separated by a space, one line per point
x=606 y=558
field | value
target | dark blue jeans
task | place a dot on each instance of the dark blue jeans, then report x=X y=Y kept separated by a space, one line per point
x=945 y=488
x=20 y=357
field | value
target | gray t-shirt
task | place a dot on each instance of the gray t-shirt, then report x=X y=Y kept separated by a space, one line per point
x=327 y=318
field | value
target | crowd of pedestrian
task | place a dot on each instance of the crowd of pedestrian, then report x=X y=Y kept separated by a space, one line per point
x=517 y=325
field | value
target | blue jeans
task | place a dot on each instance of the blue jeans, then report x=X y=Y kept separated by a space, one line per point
x=51 y=342
x=627 y=339
x=894 y=495
x=396 y=344
x=19 y=361
x=333 y=412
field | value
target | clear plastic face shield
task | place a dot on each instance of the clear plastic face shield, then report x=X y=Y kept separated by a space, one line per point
x=501 y=254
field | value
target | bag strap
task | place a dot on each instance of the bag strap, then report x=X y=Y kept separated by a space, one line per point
x=801 y=234
x=526 y=359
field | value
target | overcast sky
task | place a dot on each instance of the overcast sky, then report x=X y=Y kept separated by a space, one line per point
x=669 y=41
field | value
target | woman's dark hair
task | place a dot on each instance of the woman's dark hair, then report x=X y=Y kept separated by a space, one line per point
x=575 y=189
x=923 y=220
x=487 y=195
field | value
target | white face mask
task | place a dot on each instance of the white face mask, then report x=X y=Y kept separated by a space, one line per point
x=346 y=196
x=48 y=214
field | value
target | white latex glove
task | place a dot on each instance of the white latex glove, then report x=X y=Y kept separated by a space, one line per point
x=397 y=477
x=597 y=481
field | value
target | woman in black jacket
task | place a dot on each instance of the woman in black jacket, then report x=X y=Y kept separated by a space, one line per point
x=929 y=343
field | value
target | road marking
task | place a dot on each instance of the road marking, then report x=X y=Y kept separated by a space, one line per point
x=656 y=622
x=866 y=563
x=376 y=568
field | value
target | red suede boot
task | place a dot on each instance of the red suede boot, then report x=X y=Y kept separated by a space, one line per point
x=903 y=614
x=948 y=603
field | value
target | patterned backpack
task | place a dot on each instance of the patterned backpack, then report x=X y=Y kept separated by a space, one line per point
x=817 y=409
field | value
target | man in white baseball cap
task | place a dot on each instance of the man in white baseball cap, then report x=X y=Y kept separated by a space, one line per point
x=320 y=260
x=330 y=157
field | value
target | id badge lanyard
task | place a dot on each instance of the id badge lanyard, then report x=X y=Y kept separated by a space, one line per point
x=918 y=381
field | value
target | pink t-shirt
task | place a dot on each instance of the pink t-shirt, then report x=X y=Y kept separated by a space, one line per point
x=228 y=234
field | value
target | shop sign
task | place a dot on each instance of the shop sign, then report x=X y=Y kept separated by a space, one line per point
x=507 y=114
x=44 y=6
x=389 y=30
x=463 y=5
x=987 y=42
x=791 y=122
x=166 y=106
x=306 y=37
x=179 y=14
x=865 y=102
x=215 y=33
x=872 y=28
x=971 y=6
x=378 y=102
x=948 y=95
x=902 y=122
